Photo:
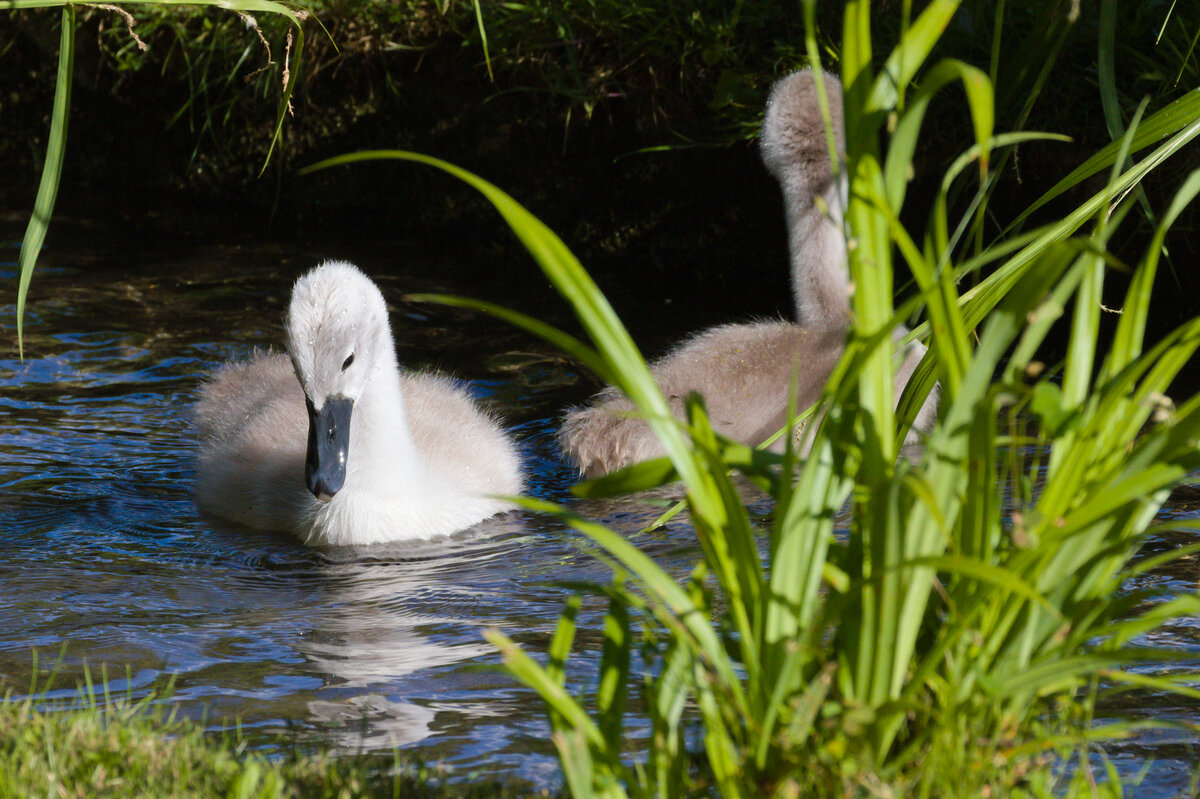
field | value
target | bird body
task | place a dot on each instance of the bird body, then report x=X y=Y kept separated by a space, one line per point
x=747 y=373
x=380 y=454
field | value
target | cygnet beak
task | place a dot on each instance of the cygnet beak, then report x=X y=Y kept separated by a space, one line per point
x=328 y=446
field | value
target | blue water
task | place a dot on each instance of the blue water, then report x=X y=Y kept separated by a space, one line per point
x=103 y=556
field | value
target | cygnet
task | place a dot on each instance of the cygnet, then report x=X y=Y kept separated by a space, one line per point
x=335 y=443
x=746 y=372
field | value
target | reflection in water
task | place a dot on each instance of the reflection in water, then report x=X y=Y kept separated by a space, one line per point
x=396 y=614
x=371 y=722
x=102 y=550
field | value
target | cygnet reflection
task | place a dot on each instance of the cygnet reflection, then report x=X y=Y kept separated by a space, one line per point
x=391 y=621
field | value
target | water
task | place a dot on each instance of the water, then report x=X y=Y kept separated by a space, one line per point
x=102 y=550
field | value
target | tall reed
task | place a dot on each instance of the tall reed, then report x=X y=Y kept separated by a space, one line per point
x=954 y=638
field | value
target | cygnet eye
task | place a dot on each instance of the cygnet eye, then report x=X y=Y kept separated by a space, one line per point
x=349 y=360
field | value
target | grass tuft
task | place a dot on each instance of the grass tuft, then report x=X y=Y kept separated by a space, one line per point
x=101 y=745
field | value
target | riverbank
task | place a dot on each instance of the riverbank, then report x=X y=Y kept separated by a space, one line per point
x=629 y=130
x=113 y=746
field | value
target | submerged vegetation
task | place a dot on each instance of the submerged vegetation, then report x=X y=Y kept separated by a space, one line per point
x=951 y=642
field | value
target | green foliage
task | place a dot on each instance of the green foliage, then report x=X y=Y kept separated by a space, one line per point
x=43 y=206
x=98 y=744
x=953 y=643
x=655 y=56
x=691 y=74
x=35 y=233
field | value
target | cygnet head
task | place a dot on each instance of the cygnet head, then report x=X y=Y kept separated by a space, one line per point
x=793 y=139
x=337 y=331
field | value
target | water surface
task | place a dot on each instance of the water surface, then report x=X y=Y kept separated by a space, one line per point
x=103 y=555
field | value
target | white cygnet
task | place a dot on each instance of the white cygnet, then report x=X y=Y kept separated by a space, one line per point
x=335 y=443
x=746 y=372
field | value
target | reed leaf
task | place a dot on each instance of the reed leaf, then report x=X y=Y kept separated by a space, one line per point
x=548 y=333
x=903 y=141
x=674 y=606
x=1173 y=120
x=560 y=643
x=611 y=693
x=549 y=688
x=43 y=204
x=909 y=55
x=638 y=477
x=1127 y=341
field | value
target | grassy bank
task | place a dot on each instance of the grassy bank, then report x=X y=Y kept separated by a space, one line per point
x=522 y=83
x=681 y=75
x=99 y=745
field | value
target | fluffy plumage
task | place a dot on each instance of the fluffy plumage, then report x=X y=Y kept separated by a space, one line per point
x=745 y=371
x=419 y=458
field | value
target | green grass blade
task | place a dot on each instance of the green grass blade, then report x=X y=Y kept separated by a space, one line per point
x=1106 y=56
x=903 y=142
x=560 y=643
x=1169 y=685
x=578 y=768
x=1062 y=673
x=612 y=692
x=666 y=516
x=659 y=585
x=982 y=571
x=1127 y=342
x=1169 y=121
x=909 y=55
x=667 y=695
x=1127 y=630
x=856 y=60
x=548 y=688
x=548 y=333
x=638 y=477
x=43 y=204
x=483 y=37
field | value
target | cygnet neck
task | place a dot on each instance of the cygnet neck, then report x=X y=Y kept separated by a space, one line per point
x=820 y=282
x=383 y=456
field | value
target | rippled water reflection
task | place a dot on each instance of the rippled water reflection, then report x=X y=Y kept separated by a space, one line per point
x=102 y=550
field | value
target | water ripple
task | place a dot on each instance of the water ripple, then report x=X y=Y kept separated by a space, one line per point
x=103 y=552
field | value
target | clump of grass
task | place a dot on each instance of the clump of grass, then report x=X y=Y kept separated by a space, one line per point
x=955 y=641
x=98 y=744
x=118 y=748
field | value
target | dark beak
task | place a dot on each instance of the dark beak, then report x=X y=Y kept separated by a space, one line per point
x=328 y=446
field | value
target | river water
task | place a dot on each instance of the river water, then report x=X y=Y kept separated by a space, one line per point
x=105 y=560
